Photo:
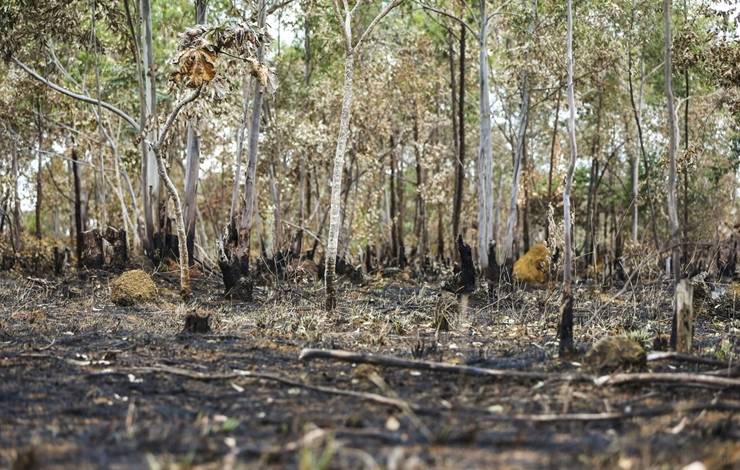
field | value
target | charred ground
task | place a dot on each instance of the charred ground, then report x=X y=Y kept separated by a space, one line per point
x=94 y=384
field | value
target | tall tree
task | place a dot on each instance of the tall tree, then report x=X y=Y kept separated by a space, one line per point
x=192 y=159
x=675 y=240
x=566 y=305
x=351 y=48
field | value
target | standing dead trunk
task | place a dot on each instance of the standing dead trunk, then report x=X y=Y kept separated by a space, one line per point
x=566 y=306
x=192 y=160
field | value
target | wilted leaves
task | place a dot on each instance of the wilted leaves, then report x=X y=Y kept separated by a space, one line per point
x=195 y=67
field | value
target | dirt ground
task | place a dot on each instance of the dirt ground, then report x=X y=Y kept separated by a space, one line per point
x=88 y=384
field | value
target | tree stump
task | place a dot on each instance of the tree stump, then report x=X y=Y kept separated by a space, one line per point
x=92 y=250
x=684 y=316
x=197 y=324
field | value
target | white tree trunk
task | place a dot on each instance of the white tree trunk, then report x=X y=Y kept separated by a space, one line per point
x=150 y=176
x=335 y=222
x=239 y=148
x=566 y=320
x=247 y=219
x=485 y=151
x=672 y=146
x=511 y=219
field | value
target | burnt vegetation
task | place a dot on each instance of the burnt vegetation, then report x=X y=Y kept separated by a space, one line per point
x=400 y=234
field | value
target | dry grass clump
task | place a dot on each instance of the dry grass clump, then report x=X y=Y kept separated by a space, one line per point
x=532 y=268
x=615 y=352
x=133 y=287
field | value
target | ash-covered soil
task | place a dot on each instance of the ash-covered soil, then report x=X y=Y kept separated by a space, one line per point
x=88 y=384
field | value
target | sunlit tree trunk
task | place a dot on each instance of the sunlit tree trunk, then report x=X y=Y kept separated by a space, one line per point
x=336 y=183
x=149 y=172
x=566 y=307
x=246 y=83
x=485 y=151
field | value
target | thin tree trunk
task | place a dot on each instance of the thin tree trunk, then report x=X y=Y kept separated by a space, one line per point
x=39 y=188
x=514 y=195
x=566 y=307
x=485 y=150
x=247 y=218
x=525 y=208
x=78 y=208
x=552 y=160
x=460 y=166
x=192 y=160
x=686 y=149
x=150 y=178
x=637 y=111
x=336 y=186
x=100 y=198
x=16 y=228
x=672 y=147
x=246 y=83
x=591 y=219
x=420 y=225
x=277 y=225
x=519 y=152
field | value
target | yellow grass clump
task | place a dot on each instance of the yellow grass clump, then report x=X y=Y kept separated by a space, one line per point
x=133 y=287
x=532 y=268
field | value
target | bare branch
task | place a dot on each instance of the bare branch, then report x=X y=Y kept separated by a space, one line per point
x=448 y=15
x=375 y=21
x=77 y=96
x=173 y=115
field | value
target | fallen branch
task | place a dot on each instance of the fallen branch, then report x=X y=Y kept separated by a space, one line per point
x=614 y=416
x=675 y=356
x=679 y=378
x=390 y=361
x=195 y=375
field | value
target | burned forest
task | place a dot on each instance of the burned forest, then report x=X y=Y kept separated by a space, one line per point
x=372 y=234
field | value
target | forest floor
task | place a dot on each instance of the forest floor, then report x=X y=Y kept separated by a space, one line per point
x=90 y=384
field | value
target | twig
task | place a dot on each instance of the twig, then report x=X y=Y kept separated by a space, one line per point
x=195 y=375
x=674 y=356
x=679 y=378
x=614 y=416
x=390 y=361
